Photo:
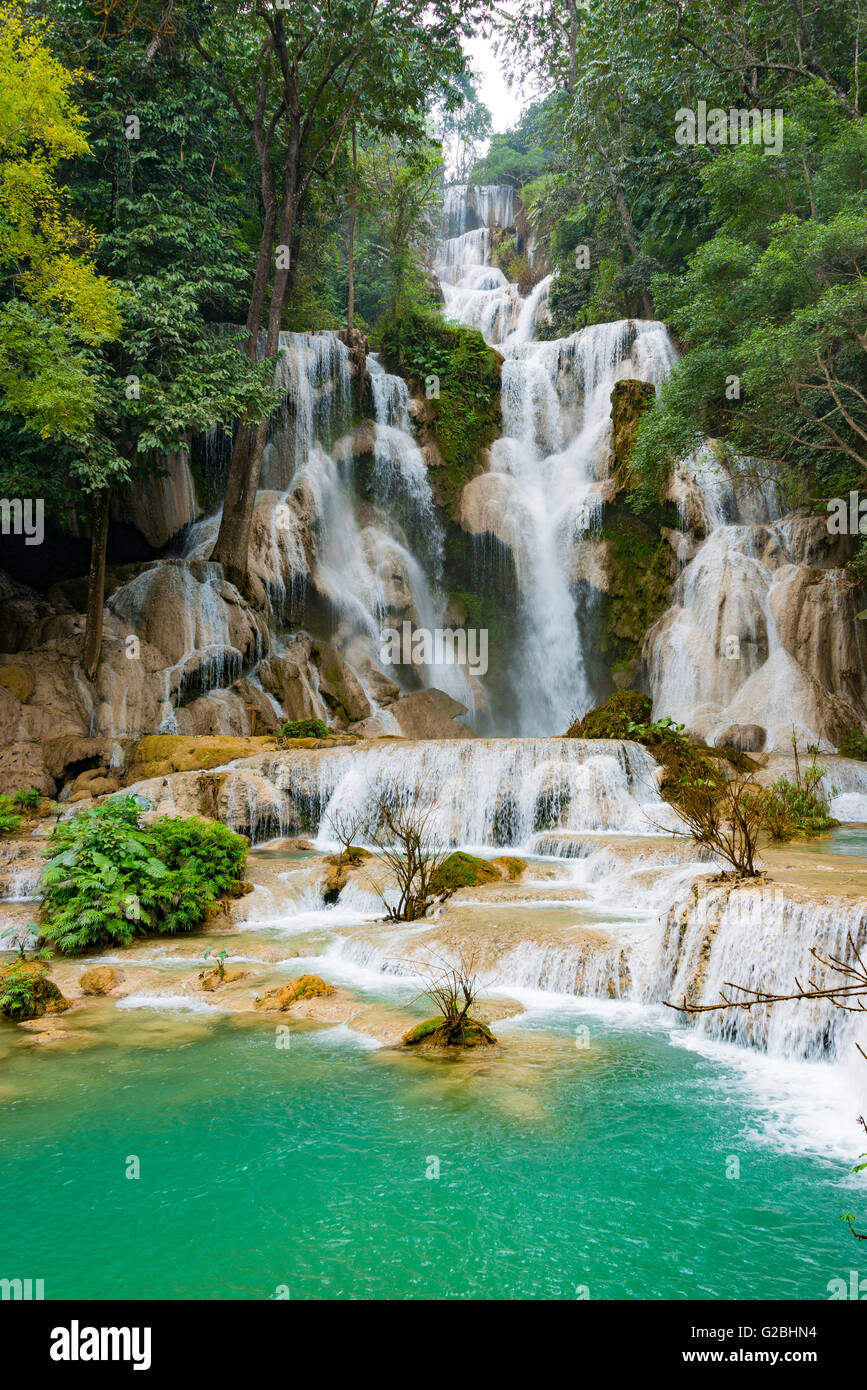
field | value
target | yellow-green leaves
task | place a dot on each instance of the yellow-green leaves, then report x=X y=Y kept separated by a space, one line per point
x=56 y=303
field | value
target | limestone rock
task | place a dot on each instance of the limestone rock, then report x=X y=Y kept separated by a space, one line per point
x=18 y=681
x=338 y=686
x=629 y=400
x=99 y=979
x=303 y=987
x=746 y=738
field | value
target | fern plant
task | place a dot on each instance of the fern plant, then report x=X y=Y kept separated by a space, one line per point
x=9 y=820
x=109 y=877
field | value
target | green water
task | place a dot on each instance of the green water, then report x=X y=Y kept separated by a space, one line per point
x=307 y=1167
x=846 y=839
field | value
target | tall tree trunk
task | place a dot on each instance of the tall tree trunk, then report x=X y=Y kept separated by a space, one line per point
x=242 y=483
x=350 y=312
x=233 y=538
x=96 y=583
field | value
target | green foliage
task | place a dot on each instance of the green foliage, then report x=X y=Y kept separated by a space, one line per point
x=27 y=797
x=621 y=711
x=220 y=957
x=422 y=346
x=854 y=745
x=520 y=155
x=110 y=877
x=304 y=728
x=795 y=810
x=514 y=266
x=9 y=820
x=21 y=992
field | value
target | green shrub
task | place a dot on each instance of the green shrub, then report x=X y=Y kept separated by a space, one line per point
x=110 y=877
x=792 y=810
x=28 y=797
x=854 y=746
x=304 y=728
x=26 y=992
x=612 y=719
x=9 y=821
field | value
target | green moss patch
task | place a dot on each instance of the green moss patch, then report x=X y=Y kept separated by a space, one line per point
x=433 y=1033
x=462 y=870
x=467 y=412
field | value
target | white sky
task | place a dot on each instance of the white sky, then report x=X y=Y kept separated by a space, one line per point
x=504 y=103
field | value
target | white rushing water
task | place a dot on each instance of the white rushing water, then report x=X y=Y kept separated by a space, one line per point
x=542 y=492
x=376 y=563
x=762 y=630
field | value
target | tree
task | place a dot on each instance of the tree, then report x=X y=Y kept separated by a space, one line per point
x=454 y=988
x=298 y=78
x=402 y=184
x=725 y=816
x=403 y=833
x=463 y=130
x=56 y=310
x=166 y=208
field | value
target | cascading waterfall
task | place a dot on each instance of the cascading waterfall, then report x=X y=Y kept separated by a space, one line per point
x=506 y=792
x=721 y=656
x=542 y=493
x=377 y=565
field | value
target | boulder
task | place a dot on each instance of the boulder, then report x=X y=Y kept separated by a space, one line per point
x=99 y=979
x=430 y=714
x=744 y=738
x=18 y=681
x=93 y=783
x=433 y=1034
x=303 y=987
x=339 y=688
x=212 y=979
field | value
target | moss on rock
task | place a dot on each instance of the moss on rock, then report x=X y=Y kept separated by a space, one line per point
x=435 y=1033
x=303 y=987
x=26 y=992
x=629 y=400
x=613 y=717
x=639 y=564
x=466 y=411
x=462 y=870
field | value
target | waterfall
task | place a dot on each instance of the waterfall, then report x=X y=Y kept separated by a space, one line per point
x=760 y=937
x=542 y=495
x=504 y=792
x=733 y=649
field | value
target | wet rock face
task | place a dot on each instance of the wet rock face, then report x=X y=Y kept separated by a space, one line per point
x=745 y=738
x=338 y=686
x=629 y=400
x=762 y=626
